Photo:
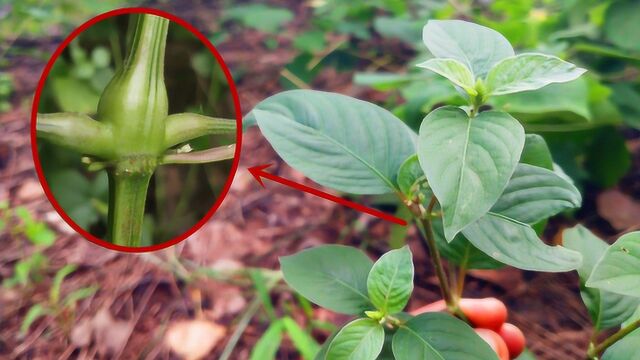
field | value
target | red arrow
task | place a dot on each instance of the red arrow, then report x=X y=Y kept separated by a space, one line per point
x=259 y=173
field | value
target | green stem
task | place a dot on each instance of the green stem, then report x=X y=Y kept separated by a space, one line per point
x=128 y=183
x=424 y=219
x=594 y=351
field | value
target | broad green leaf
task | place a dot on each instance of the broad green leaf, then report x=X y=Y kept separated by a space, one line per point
x=454 y=70
x=361 y=339
x=269 y=343
x=618 y=270
x=390 y=281
x=534 y=194
x=625 y=349
x=468 y=162
x=526 y=72
x=536 y=152
x=439 y=336
x=606 y=309
x=517 y=244
x=549 y=101
x=622 y=23
x=476 y=46
x=461 y=252
x=305 y=344
x=332 y=276
x=338 y=141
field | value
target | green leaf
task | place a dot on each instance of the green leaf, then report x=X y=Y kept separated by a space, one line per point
x=310 y=41
x=468 y=161
x=625 y=349
x=618 y=270
x=461 y=252
x=332 y=276
x=360 y=339
x=622 y=22
x=517 y=244
x=458 y=73
x=305 y=344
x=269 y=343
x=262 y=292
x=390 y=281
x=82 y=293
x=606 y=309
x=526 y=72
x=35 y=312
x=478 y=47
x=54 y=292
x=534 y=194
x=439 y=336
x=259 y=16
x=39 y=234
x=536 y=152
x=74 y=95
x=526 y=355
x=338 y=141
x=549 y=101
x=411 y=180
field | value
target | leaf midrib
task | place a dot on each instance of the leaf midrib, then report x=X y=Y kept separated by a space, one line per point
x=462 y=167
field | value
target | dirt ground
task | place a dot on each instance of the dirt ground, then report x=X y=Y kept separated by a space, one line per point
x=144 y=293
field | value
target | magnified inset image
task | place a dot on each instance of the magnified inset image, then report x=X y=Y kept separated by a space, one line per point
x=135 y=130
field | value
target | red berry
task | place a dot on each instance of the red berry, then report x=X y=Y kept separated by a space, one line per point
x=514 y=338
x=488 y=313
x=437 y=306
x=495 y=341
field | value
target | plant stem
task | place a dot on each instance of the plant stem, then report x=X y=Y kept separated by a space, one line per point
x=424 y=219
x=593 y=352
x=128 y=183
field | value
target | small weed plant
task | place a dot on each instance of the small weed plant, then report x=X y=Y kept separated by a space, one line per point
x=478 y=188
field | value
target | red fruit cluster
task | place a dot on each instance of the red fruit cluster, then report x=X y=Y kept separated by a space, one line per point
x=488 y=316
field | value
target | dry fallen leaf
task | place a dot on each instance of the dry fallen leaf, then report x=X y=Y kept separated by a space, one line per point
x=620 y=210
x=193 y=339
x=29 y=190
x=81 y=333
x=111 y=335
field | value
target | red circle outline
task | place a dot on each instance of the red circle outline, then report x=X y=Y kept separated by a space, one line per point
x=238 y=113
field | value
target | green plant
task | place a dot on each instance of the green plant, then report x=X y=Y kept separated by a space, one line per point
x=56 y=306
x=18 y=222
x=133 y=133
x=477 y=187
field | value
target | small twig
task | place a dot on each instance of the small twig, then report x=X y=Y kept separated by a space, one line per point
x=200 y=157
x=242 y=326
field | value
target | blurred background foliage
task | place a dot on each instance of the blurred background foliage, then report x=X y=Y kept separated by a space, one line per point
x=585 y=122
x=375 y=43
x=179 y=194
